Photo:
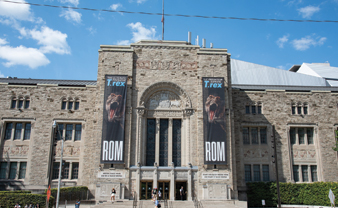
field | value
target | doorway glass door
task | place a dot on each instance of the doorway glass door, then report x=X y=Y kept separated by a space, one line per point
x=164 y=188
x=146 y=188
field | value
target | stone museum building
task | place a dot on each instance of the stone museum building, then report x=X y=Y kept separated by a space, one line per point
x=169 y=114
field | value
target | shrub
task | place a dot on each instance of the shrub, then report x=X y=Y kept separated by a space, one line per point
x=9 y=199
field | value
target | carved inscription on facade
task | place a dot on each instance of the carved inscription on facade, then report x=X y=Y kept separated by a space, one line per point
x=217 y=191
x=181 y=175
x=147 y=174
x=165 y=65
x=15 y=150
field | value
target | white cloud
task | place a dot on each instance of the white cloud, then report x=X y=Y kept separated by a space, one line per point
x=1 y=75
x=16 y=11
x=280 y=67
x=305 y=43
x=290 y=3
x=139 y=33
x=140 y=1
x=74 y=2
x=115 y=6
x=3 y=41
x=71 y=15
x=91 y=30
x=123 y=42
x=21 y=55
x=51 y=40
x=280 y=42
x=308 y=11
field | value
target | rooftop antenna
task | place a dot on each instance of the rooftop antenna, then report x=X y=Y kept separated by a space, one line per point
x=211 y=45
x=189 y=37
x=197 y=42
x=162 y=20
x=203 y=43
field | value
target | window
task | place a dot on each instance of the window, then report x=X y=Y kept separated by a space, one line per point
x=70 y=104
x=78 y=128
x=163 y=160
x=3 y=170
x=75 y=171
x=151 y=134
x=314 y=173
x=21 y=131
x=27 y=103
x=301 y=135
x=66 y=170
x=27 y=133
x=259 y=109
x=12 y=170
x=302 y=108
x=247 y=172
x=266 y=175
x=13 y=105
x=69 y=131
x=247 y=109
x=77 y=105
x=296 y=173
x=64 y=105
x=18 y=129
x=254 y=135
x=60 y=131
x=22 y=170
x=305 y=173
x=8 y=133
x=177 y=142
x=257 y=173
x=20 y=103
x=253 y=108
x=56 y=166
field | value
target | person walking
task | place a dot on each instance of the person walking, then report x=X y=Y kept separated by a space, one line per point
x=113 y=193
x=77 y=203
x=182 y=193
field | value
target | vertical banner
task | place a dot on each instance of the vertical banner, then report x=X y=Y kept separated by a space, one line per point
x=214 y=120
x=114 y=105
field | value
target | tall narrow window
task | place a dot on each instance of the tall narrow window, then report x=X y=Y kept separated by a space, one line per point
x=8 y=133
x=305 y=109
x=69 y=131
x=151 y=131
x=77 y=105
x=305 y=173
x=299 y=110
x=27 y=133
x=293 y=110
x=75 y=171
x=64 y=104
x=247 y=109
x=18 y=129
x=177 y=142
x=78 y=129
x=20 y=104
x=259 y=109
x=309 y=133
x=296 y=173
x=13 y=103
x=60 y=132
x=163 y=160
x=301 y=135
x=314 y=173
x=265 y=170
x=27 y=102
x=253 y=109
x=254 y=135
x=247 y=169
x=3 y=170
x=257 y=173
x=22 y=170
x=12 y=170
x=66 y=170
x=246 y=139
x=70 y=105
x=293 y=135
x=263 y=135
x=56 y=166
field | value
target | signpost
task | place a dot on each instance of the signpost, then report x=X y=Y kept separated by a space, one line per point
x=331 y=197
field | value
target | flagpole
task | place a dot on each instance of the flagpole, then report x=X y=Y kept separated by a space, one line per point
x=162 y=19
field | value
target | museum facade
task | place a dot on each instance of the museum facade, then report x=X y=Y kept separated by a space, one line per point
x=168 y=114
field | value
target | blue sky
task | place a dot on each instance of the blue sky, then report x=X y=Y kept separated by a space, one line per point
x=58 y=43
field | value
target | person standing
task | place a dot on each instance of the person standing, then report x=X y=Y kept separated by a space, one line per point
x=182 y=193
x=154 y=194
x=77 y=203
x=159 y=195
x=17 y=205
x=113 y=193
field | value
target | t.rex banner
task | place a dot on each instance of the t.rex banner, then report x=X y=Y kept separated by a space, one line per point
x=114 y=105
x=214 y=120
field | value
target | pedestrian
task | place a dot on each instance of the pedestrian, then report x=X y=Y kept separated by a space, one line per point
x=154 y=194
x=17 y=205
x=77 y=203
x=182 y=193
x=26 y=206
x=113 y=193
x=37 y=206
x=159 y=195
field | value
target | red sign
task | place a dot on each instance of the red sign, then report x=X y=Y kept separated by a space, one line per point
x=48 y=193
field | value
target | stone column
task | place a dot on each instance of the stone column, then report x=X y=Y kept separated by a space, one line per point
x=189 y=183
x=188 y=113
x=140 y=120
x=138 y=181
x=157 y=141
x=170 y=141
x=155 y=176
x=172 y=182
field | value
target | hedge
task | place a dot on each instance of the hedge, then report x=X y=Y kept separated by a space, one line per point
x=70 y=193
x=291 y=193
x=9 y=199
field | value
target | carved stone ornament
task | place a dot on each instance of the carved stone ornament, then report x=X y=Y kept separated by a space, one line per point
x=164 y=100
x=188 y=111
x=141 y=111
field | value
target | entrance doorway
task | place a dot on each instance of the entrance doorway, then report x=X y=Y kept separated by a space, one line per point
x=146 y=189
x=178 y=186
x=164 y=187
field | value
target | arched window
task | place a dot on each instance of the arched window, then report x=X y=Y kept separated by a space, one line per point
x=20 y=103
x=64 y=104
x=27 y=102
x=13 y=103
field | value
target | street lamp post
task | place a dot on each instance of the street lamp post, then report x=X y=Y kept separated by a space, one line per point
x=60 y=168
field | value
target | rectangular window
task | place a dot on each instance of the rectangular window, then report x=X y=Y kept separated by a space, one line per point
x=293 y=110
x=309 y=133
x=259 y=109
x=151 y=132
x=65 y=171
x=301 y=135
x=60 y=131
x=27 y=104
x=163 y=159
x=22 y=171
x=3 y=170
x=299 y=110
x=314 y=173
x=69 y=131
x=75 y=171
x=247 y=109
x=247 y=172
x=253 y=109
x=266 y=175
x=56 y=167
x=12 y=170
x=254 y=135
x=77 y=105
x=64 y=104
x=78 y=129
x=13 y=104
x=27 y=133
x=246 y=139
x=293 y=135
x=305 y=173
x=177 y=142
x=257 y=172
x=70 y=105
x=8 y=133
x=305 y=110
x=296 y=173
x=18 y=129
x=20 y=104
x=263 y=135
